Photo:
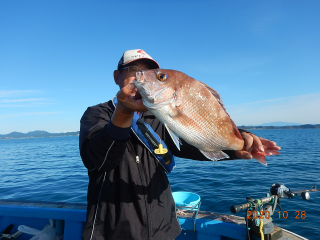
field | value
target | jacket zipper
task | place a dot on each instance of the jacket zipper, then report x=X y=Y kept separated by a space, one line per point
x=145 y=197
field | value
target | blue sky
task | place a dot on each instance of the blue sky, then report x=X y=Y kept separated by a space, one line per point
x=57 y=57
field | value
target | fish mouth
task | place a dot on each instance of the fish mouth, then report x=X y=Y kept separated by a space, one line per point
x=140 y=77
x=139 y=82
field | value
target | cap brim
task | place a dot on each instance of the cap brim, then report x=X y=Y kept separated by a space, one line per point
x=152 y=63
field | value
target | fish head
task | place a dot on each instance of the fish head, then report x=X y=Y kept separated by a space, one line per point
x=158 y=87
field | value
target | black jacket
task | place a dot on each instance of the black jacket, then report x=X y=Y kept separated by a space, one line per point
x=129 y=196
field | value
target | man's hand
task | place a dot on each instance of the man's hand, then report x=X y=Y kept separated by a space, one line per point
x=252 y=143
x=129 y=101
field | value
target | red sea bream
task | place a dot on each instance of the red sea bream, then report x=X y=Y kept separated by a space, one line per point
x=190 y=110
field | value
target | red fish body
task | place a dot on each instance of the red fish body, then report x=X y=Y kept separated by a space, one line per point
x=190 y=110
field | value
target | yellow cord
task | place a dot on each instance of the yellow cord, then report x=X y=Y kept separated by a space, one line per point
x=261 y=232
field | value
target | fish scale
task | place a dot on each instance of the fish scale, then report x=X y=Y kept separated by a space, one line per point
x=202 y=115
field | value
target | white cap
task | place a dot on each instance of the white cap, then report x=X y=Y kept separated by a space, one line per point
x=134 y=55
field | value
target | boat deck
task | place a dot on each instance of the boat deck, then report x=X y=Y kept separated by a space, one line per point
x=70 y=219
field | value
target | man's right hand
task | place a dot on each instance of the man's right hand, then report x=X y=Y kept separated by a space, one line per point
x=129 y=101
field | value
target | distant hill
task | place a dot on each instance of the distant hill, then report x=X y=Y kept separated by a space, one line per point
x=304 y=126
x=36 y=134
x=279 y=124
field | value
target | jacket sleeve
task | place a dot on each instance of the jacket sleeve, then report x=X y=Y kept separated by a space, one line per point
x=100 y=148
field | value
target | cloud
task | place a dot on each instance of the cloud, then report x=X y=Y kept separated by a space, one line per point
x=15 y=93
x=13 y=115
x=300 y=109
x=22 y=105
x=13 y=97
x=22 y=100
x=264 y=101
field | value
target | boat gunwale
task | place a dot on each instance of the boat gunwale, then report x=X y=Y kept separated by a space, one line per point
x=188 y=214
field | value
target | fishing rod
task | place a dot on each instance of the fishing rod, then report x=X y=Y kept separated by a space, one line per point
x=259 y=217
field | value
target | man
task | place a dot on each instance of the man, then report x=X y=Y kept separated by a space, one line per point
x=129 y=196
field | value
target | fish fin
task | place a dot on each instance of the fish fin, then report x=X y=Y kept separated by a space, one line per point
x=235 y=129
x=215 y=94
x=214 y=156
x=271 y=152
x=174 y=137
x=260 y=157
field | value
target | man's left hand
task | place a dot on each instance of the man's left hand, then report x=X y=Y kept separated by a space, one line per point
x=252 y=142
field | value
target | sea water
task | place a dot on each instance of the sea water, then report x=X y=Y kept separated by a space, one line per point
x=50 y=169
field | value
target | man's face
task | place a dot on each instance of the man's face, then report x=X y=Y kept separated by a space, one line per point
x=126 y=76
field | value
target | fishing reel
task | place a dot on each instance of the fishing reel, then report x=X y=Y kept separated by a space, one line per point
x=282 y=191
x=258 y=215
x=259 y=212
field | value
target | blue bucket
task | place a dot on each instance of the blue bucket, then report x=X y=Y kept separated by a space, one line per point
x=186 y=199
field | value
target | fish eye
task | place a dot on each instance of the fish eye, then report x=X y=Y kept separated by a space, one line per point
x=162 y=76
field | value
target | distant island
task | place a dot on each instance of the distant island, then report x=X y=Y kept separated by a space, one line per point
x=36 y=134
x=278 y=124
x=39 y=134
x=304 y=126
